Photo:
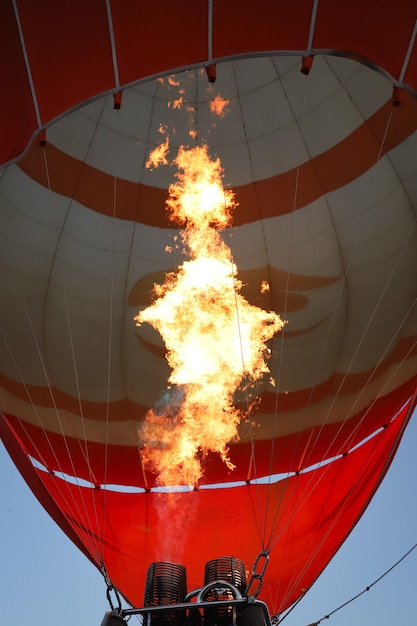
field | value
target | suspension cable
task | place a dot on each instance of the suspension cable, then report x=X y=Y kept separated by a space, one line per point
x=276 y=519
x=358 y=595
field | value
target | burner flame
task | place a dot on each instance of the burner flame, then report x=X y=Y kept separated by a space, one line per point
x=215 y=339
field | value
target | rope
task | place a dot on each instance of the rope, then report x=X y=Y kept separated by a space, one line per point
x=279 y=509
x=342 y=286
x=113 y=44
x=109 y=363
x=210 y=31
x=27 y=64
x=358 y=595
x=252 y=460
x=133 y=255
x=408 y=53
x=84 y=451
x=366 y=201
x=347 y=266
x=312 y=25
x=90 y=534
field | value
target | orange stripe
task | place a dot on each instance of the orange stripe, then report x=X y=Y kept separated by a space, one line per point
x=339 y=383
x=123 y=410
x=118 y=410
x=274 y=196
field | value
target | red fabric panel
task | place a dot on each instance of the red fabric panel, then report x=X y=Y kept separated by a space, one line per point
x=17 y=113
x=376 y=31
x=16 y=450
x=242 y=27
x=68 y=46
x=153 y=37
x=306 y=518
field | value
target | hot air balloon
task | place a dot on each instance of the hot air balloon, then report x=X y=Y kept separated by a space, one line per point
x=311 y=109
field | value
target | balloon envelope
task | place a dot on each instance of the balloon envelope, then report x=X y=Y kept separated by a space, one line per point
x=324 y=170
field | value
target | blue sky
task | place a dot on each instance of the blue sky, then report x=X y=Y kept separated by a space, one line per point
x=46 y=581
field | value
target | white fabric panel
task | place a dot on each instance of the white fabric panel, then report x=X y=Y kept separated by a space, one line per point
x=273 y=98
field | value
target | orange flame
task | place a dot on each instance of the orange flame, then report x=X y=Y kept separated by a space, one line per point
x=158 y=156
x=218 y=106
x=172 y=81
x=177 y=103
x=265 y=286
x=215 y=340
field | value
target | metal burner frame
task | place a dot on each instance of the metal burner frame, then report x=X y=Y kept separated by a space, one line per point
x=261 y=617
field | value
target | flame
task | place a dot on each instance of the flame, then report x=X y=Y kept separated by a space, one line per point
x=265 y=288
x=215 y=340
x=218 y=106
x=176 y=103
x=172 y=81
x=158 y=156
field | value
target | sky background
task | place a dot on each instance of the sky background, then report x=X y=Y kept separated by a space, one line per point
x=46 y=581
